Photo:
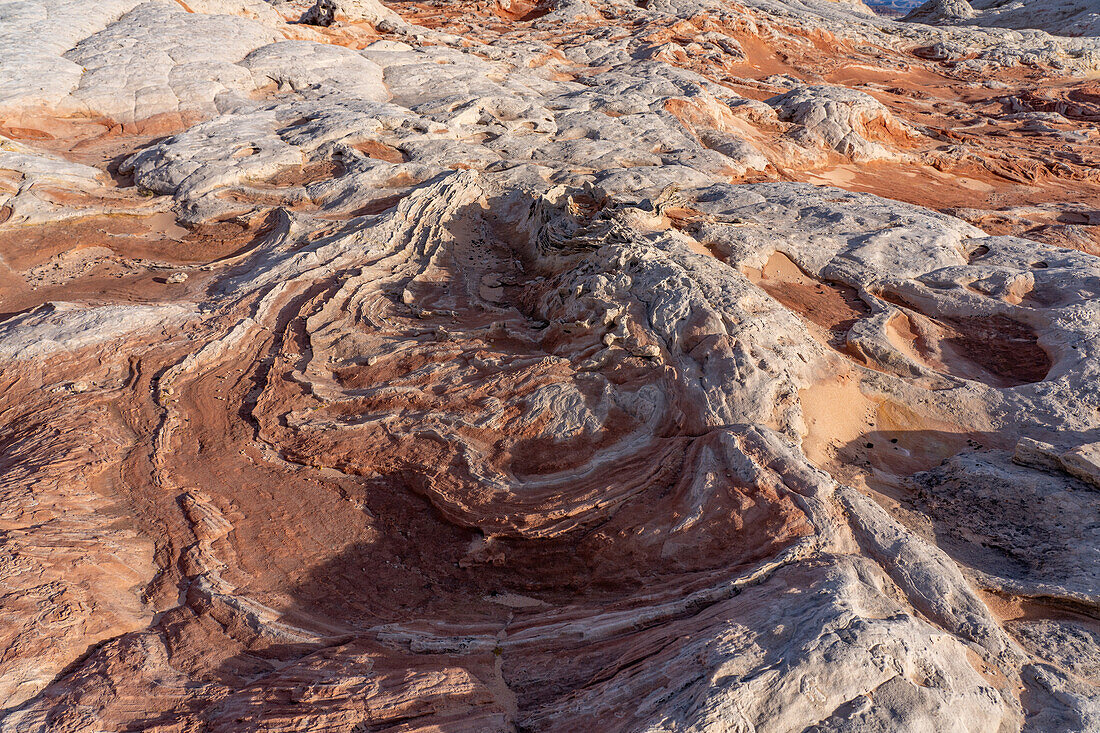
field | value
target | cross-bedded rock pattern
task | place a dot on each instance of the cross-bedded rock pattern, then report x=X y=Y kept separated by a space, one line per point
x=594 y=364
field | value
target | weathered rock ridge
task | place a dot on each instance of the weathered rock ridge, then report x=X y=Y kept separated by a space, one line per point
x=1061 y=17
x=671 y=365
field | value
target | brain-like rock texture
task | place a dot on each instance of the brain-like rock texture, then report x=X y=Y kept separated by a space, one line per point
x=840 y=119
x=547 y=366
x=942 y=11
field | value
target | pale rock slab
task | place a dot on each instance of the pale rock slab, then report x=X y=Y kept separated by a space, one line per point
x=148 y=63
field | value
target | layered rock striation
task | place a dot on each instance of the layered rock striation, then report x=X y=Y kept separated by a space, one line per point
x=573 y=365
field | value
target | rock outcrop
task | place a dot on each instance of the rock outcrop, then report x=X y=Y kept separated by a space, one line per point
x=942 y=11
x=594 y=365
x=327 y=12
x=841 y=119
x=1060 y=17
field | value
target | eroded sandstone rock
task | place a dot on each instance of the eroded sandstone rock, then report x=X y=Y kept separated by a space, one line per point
x=326 y=12
x=547 y=366
x=940 y=11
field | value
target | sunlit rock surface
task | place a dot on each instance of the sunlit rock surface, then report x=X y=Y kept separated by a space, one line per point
x=671 y=365
x=1064 y=17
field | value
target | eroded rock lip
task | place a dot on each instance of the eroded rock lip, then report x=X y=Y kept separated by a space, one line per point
x=560 y=365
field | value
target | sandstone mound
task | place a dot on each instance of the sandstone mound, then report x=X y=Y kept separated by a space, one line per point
x=1060 y=17
x=942 y=11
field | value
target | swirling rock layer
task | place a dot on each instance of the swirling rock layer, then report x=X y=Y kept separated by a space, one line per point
x=572 y=365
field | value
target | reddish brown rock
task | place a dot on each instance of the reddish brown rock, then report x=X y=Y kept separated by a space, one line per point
x=545 y=366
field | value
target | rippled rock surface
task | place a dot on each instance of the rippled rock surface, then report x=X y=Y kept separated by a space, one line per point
x=553 y=365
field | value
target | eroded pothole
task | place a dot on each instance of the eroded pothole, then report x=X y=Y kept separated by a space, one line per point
x=833 y=307
x=995 y=350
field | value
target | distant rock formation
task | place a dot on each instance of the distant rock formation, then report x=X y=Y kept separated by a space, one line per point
x=893 y=8
x=326 y=12
x=942 y=11
x=1060 y=17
